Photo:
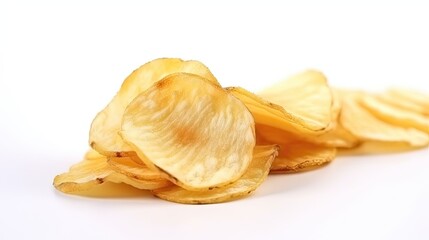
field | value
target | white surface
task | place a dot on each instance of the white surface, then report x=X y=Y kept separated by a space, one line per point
x=60 y=63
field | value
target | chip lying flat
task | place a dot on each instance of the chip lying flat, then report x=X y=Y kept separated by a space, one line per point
x=132 y=169
x=366 y=127
x=103 y=135
x=90 y=173
x=257 y=172
x=337 y=137
x=301 y=156
x=398 y=102
x=414 y=97
x=394 y=115
x=194 y=131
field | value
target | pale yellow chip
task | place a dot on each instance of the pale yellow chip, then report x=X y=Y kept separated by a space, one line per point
x=92 y=154
x=394 y=115
x=194 y=131
x=412 y=96
x=368 y=128
x=404 y=104
x=301 y=156
x=257 y=172
x=128 y=166
x=307 y=96
x=103 y=135
x=90 y=173
x=337 y=137
x=303 y=105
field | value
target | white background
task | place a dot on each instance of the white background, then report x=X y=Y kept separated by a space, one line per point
x=61 y=62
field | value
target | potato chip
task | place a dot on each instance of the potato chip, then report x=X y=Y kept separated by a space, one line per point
x=307 y=96
x=257 y=172
x=90 y=173
x=303 y=105
x=366 y=127
x=131 y=168
x=92 y=154
x=194 y=131
x=393 y=115
x=301 y=156
x=412 y=96
x=103 y=135
x=337 y=137
x=404 y=104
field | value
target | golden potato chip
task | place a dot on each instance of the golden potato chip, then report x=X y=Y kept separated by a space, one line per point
x=103 y=135
x=404 y=104
x=194 y=131
x=307 y=96
x=303 y=105
x=92 y=172
x=131 y=168
x=375 y=147
x=394 y=115
x=301 y=156
x=368 y=128
x=412 y=96
x=337 y=137
x=92 y=154
x=257 y=172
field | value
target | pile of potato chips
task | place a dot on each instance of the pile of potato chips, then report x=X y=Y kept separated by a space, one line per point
x=173 y=130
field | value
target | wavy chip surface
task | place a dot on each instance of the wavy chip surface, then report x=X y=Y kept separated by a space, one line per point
x=403 y=104
x=415 y=97
x=103 y=135
x=257 y=172
x=194 y=131
x=395 y=115
x=90 y=173
x=307 y=96
x=303 y=105
x=366 y=127
x=132 y=168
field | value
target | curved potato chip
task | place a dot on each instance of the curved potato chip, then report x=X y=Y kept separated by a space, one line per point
x=394 y=115
x=415 y=97
x=404 y=104
x=375 y=147
x=103 y=135
x=92 y=154
x=194 y=131
x=366 y=127
x=90 y=173
x=301 y=156
x=337 y=137
x=257 y=172
x=276 y=116
x=307 y=96
x=129 y=167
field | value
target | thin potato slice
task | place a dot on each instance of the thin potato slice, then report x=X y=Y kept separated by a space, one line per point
x=404 y=104
x=194 y=131
x=415 y=97
x=257 y=172
x=307 y=96
x=394 y=115
x=276 y=116
x=129 y=167
x=103 y=135
x=337 y=137
x=301 y=156
x=92 y=154
x=90 y=173
x=368 y=128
